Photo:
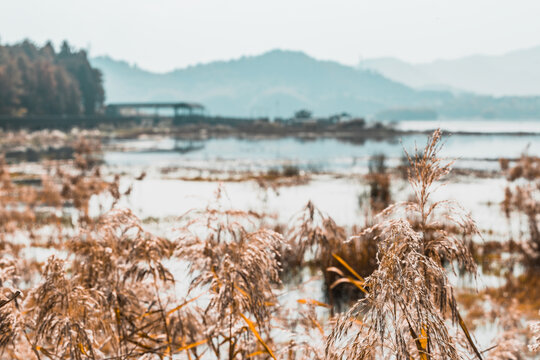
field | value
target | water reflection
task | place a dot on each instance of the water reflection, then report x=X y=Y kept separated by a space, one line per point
x=322 y=154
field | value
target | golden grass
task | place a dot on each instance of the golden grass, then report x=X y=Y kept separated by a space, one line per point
x=112 y=294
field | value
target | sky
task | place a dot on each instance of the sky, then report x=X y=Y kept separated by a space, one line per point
x=161 y=35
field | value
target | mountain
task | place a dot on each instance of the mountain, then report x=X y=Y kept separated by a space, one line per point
x=278 y=83
x=516 y=73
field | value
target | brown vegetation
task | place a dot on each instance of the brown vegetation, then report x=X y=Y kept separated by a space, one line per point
x=409 y=295
x=221 y=286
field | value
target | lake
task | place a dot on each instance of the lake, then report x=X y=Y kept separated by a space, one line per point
x=327 y=154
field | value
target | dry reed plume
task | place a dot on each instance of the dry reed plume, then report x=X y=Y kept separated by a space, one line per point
x=237 y=266
x=409 y=296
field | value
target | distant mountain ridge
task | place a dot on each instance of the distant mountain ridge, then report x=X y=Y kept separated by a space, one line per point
x=515 y=73
x=278 y=82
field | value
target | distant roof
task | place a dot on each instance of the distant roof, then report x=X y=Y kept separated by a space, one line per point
x=184 y=105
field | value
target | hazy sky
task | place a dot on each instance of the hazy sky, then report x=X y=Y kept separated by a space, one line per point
x=164 y=34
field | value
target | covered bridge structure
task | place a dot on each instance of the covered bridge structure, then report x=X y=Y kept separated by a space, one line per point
x=134 y=108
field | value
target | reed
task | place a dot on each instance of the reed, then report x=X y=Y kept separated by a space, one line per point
x=521 y=197
x=113 y=289
x=409 y=296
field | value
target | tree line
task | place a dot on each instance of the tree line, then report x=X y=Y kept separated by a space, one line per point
x=40 y=81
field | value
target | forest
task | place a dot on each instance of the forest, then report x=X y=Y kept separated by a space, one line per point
x=41 y=81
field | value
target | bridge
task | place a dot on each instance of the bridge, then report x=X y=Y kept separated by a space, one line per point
x=178 y=108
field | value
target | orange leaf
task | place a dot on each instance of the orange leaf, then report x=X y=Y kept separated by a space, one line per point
x=312 y=302
x=182 y=305
x=256 y=333
x=349 y=280
x=195 y=344
x=348 y=267
x=256 y=353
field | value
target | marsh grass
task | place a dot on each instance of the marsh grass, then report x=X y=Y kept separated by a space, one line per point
x=521 y=197
x=409 y=296
x=237 y=265
x=378 y=180
x=113 y=288
x=316 y=241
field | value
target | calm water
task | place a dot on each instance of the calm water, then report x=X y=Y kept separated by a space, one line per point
x=529 y=126
x=477 y=151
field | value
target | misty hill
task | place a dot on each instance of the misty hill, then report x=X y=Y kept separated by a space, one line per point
x=277 y=83
x=514 y=73
x=272 y=84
